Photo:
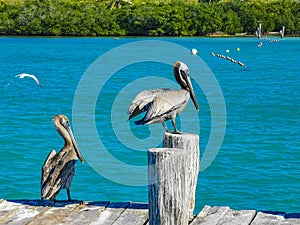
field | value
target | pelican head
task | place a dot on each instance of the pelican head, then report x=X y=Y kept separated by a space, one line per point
x=62 y=125
x=182 y=76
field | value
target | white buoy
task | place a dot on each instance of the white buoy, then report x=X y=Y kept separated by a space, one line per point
x=227 y=50
x=194 y=51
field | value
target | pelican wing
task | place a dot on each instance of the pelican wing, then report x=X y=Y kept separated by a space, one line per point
x=48 y=166
x=55 y=173
x=164 y=105
x=142 y=100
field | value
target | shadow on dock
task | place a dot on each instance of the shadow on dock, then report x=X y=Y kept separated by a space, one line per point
x=285 y=215
x=59 y=203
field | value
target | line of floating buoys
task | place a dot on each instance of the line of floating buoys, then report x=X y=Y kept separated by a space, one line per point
x=229 y=59
x=268 y=40
x=274 y=40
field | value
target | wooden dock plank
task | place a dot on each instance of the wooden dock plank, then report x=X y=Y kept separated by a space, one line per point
x=276 y=218
x=86 y=213
x=292 y=219
x=15 y=212
x=210 y=215
x=238 y=217
x=31 y=212
x=135 y=214
x=23 y=215
x=267 y=219
x=111 y=213
x=56 y=214
x=6 y=208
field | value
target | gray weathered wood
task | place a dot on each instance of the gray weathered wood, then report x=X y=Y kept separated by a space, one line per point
x=292 y=218
x=21 y=212
x=238 y=217
x=269 y=219
x=15 y=213
x=23 y=215
x=54 y=215
x=111 y=213
x=86 y=213
x=210 y=215
x=6 y=209
x=167 y=177
x=135 y=214
x=190 y=144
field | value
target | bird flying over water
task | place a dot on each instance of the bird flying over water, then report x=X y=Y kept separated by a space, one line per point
x=23 y=75
x=59 y=168
x=161 y=105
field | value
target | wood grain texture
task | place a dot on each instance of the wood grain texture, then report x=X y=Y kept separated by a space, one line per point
x=111 y=213
x=190 y=144
x=168 y=197
x=24 y=212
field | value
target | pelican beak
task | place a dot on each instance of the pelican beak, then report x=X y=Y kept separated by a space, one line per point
x=67 y=126
x=191 y=90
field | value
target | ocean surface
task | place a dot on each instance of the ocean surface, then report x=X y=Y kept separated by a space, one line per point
x=249 y=118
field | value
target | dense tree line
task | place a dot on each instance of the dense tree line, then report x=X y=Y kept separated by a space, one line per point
x=157 y=18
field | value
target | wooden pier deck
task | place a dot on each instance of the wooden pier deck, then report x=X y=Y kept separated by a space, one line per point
x=35 y=212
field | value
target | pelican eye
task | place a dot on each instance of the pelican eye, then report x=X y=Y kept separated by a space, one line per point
x=185 y=72
x=65 y=123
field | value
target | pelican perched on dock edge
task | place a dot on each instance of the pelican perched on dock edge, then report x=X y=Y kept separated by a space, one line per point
x=59 y=168
x=164 y=104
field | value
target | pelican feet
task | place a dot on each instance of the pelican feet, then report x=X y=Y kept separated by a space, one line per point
x=176 y=131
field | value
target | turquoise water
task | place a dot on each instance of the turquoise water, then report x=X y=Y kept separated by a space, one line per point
x=257 y=166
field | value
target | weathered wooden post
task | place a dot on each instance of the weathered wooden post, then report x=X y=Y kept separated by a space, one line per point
x=190 y=144
x=173 y=173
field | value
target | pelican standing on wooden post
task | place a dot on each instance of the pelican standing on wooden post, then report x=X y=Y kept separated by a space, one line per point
x=59 y=168
x=165 y=104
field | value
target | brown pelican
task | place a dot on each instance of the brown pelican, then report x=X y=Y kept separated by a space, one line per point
x=164 y=104
x=59 y=168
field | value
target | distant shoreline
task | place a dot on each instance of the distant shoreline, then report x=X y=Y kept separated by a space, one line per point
x=143 y=36
x=173 y=19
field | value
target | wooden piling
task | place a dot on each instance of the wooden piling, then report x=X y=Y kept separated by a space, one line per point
x=173 y=172
x=190 y=144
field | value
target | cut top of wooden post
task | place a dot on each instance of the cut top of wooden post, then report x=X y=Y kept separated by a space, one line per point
x=182 y=141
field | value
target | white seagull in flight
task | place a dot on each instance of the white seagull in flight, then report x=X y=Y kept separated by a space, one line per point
x=22 y=75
